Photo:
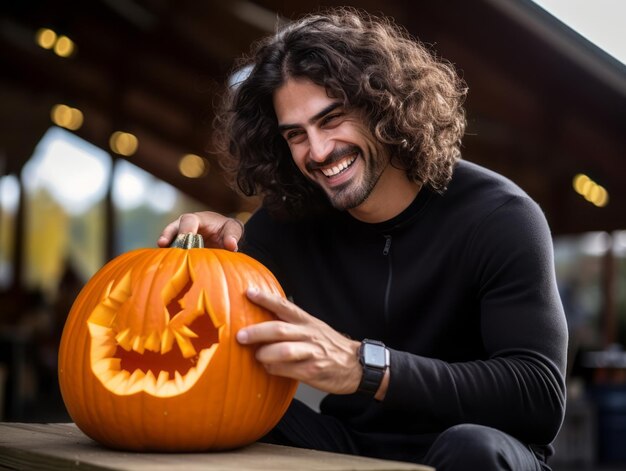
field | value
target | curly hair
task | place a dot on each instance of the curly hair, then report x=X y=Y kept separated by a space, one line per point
x=411 y=101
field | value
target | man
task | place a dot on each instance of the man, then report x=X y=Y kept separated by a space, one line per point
x=423 y=288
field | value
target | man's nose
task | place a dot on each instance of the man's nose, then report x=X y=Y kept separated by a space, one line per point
x=319 y=146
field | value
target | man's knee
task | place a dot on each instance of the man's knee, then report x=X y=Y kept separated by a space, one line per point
x=471 y=446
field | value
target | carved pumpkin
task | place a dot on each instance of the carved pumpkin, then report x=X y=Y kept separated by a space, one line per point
x=148 y=358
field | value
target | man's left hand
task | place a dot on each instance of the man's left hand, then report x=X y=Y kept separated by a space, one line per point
x=302 y=347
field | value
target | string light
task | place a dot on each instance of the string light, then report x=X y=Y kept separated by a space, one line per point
x=62 y=45
x=123 y=143
x=46 y=38
x=66 y=117
x=594 y=193
x=193 y=166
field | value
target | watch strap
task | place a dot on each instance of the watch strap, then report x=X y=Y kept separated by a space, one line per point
x=370 y=381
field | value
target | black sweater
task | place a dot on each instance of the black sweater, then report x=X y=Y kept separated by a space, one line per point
x=459 y=286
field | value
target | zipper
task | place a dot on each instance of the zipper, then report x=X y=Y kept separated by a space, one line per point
x=387 y=245
x=386 y=251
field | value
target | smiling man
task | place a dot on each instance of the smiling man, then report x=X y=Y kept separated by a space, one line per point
x=422 y=287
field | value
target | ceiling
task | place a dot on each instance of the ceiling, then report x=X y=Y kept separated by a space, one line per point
x=544 y=105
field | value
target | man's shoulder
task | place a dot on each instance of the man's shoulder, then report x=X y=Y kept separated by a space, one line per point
x=468 y=172
x=476 y=193
x=473 y=181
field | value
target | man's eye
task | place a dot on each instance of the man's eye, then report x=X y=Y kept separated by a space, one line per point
x=331 y=118
x=293 y=135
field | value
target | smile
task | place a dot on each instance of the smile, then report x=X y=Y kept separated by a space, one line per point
x=339 y=167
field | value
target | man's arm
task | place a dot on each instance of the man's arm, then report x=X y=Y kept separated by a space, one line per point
x=519 y=387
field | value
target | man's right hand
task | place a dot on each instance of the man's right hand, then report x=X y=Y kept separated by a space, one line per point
x=218 y=231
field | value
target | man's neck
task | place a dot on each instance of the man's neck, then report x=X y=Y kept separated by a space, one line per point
x=394 y=192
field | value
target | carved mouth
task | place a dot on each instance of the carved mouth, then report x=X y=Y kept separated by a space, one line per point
x=164 y=357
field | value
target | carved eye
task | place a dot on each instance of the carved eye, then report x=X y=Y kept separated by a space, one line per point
x=149 y=360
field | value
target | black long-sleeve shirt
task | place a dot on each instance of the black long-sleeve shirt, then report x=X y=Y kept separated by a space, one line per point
x=459 y=286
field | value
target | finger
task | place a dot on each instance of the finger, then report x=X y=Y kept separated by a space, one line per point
x=188 y=223
x=284 y=352
x=269 y=332
x=232 y=231
x=169 y=233
x=282 y=307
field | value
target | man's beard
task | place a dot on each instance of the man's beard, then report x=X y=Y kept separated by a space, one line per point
x=350 y=195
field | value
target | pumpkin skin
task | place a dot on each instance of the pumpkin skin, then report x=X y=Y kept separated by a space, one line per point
x=148 y=359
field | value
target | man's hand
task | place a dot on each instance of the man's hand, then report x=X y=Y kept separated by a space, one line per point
x=218 y=231
x=302 y=347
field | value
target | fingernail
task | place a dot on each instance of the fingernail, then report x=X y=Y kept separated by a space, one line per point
x=235 y=245
x=242 y=336
x=253 y=291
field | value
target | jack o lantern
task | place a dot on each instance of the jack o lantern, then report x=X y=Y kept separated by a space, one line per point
x=148 y=358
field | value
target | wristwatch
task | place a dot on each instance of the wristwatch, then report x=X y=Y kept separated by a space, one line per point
x=374 y=358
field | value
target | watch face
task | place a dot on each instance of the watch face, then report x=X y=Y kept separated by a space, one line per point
x=374 y=355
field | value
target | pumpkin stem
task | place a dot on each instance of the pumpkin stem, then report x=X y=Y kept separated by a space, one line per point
x=188 y=241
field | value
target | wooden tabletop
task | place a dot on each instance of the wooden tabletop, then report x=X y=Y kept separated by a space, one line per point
x=64 y=446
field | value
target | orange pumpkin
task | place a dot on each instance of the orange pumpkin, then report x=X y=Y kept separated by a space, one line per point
x=148 y=358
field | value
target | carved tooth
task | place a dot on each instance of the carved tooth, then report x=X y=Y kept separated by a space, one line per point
x=109 y=340
x=122 y=291
x=135 y=382
x=200 y=301
x=191 y=377
x=167 y=340
x=107 y=376
x=118 y=382
x=180 y=382
x=106 y=299
x=153 y=343
x=137 y=374
x=102 y=346
x=102 y=315
x=138 y=344
x=149 y=383
x=108 y=346
x=185 y=345
x=107 y=290
x=111 y=303
x=208 y=308
x=183 y=329
x=96 y=330
x=169 y=389
x=103 y=351
x=99 y=332
x=106 y=364
x=176 y=284
x=162 y=379
x=123 y=339
x=205 y=357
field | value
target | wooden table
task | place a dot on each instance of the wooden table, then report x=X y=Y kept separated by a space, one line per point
x=64 y=446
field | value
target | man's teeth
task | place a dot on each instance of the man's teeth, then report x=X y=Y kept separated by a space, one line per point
x=338 y=168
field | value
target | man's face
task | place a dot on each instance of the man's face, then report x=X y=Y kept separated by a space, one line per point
x=329 y=143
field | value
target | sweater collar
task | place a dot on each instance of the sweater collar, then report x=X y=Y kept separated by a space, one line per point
x=410 y=213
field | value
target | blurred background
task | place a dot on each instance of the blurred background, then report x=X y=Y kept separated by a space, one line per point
x=105 y=136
